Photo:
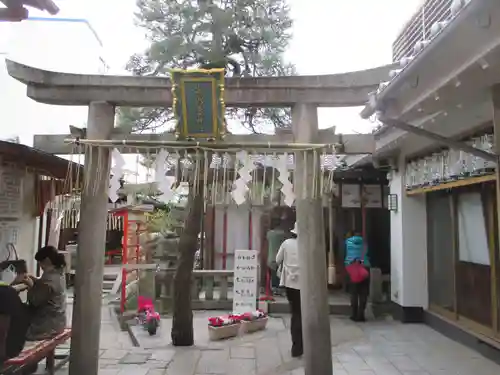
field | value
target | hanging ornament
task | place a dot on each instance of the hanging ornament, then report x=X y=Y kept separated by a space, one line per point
x=281 y=165
x=163 y=181
x=116 y=173
x=240 y=186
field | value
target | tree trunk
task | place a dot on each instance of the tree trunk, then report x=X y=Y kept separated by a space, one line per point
x=182 y=323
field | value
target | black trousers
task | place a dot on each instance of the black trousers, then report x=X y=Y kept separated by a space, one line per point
x=293 y=296
x=274 y=279
x=359 y=298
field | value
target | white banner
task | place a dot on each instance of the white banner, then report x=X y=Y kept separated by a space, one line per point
x=245 y=281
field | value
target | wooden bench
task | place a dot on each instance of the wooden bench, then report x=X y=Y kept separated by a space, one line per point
x=36 y=352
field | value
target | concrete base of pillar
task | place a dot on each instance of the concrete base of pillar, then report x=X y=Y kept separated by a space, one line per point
x=407 y=314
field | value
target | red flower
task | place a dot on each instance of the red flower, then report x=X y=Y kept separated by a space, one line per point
x=215 y=321
x=235 y=318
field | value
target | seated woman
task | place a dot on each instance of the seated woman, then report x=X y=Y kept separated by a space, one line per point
x=46 y=296
x=14 y=320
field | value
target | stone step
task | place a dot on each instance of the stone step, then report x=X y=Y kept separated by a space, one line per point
x=282 y=307
x=107 y=285
x=110 y=277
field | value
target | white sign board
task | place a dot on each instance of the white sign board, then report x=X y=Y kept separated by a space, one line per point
x=245 y=281
x=10 y=193
x=351 y=196
x=372 y=195
x=9 y=233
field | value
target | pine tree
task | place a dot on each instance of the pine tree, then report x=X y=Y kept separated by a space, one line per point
x=247 y=37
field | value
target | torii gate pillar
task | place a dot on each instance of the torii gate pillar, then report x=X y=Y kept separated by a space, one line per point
x=311 y=240
x=86 y=325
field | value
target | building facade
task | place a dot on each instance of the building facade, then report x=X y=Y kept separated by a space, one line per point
x=440 y=124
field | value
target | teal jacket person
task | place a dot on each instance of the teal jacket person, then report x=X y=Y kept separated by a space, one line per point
x=355 y=250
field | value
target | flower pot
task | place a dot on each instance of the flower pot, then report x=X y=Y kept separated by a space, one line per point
x=223 y=332
x=254 y=325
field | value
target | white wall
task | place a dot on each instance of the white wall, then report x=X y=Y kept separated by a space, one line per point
x=408 y=246
x=26 y=224
x=65 y=45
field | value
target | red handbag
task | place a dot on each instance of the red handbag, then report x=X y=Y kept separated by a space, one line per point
x=357 y=272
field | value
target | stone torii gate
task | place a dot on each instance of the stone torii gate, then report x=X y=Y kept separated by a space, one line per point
x=103 y=93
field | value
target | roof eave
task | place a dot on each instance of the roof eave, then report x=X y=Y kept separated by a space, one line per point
x=376 y=101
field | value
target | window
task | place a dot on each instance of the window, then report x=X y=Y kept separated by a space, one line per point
x=472 y=237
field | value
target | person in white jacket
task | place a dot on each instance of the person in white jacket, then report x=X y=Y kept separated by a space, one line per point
x=288 y=259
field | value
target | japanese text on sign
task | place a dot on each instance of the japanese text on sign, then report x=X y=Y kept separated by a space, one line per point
x=246 y=268
x=245 y=281
x=245 y=306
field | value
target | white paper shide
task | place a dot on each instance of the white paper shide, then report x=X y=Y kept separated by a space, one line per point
x=245 y=281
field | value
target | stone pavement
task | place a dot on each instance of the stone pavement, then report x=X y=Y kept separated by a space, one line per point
x=373 y=348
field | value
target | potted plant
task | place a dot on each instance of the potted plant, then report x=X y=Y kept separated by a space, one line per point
x=223 y=327
x=253 y=321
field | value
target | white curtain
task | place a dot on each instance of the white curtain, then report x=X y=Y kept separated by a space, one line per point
x=472 y=238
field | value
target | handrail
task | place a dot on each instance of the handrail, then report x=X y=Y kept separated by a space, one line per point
x=210 y=289
x=419 y=27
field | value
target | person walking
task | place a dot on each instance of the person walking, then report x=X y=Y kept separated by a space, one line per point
x=357 y=252
x=288 y=256
x=280 y=231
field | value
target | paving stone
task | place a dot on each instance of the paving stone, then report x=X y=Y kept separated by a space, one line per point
x=242 y=352
x=384 y=368
x=349 y=356
x=337 y=372
x=184 y=362
x=277 y=324
x=213 y=362
x=156 y=364
x=108 y=362
x=268 y=355
x=405 y=363
x=133 y=370
x=355 y=367
x=285 y=345
x=135 y=359
x=372 y=348
x=156 y=372
x=114 y=354
x=338 y=366
x=164 y=355
x=108 y=371
x=241 y=366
